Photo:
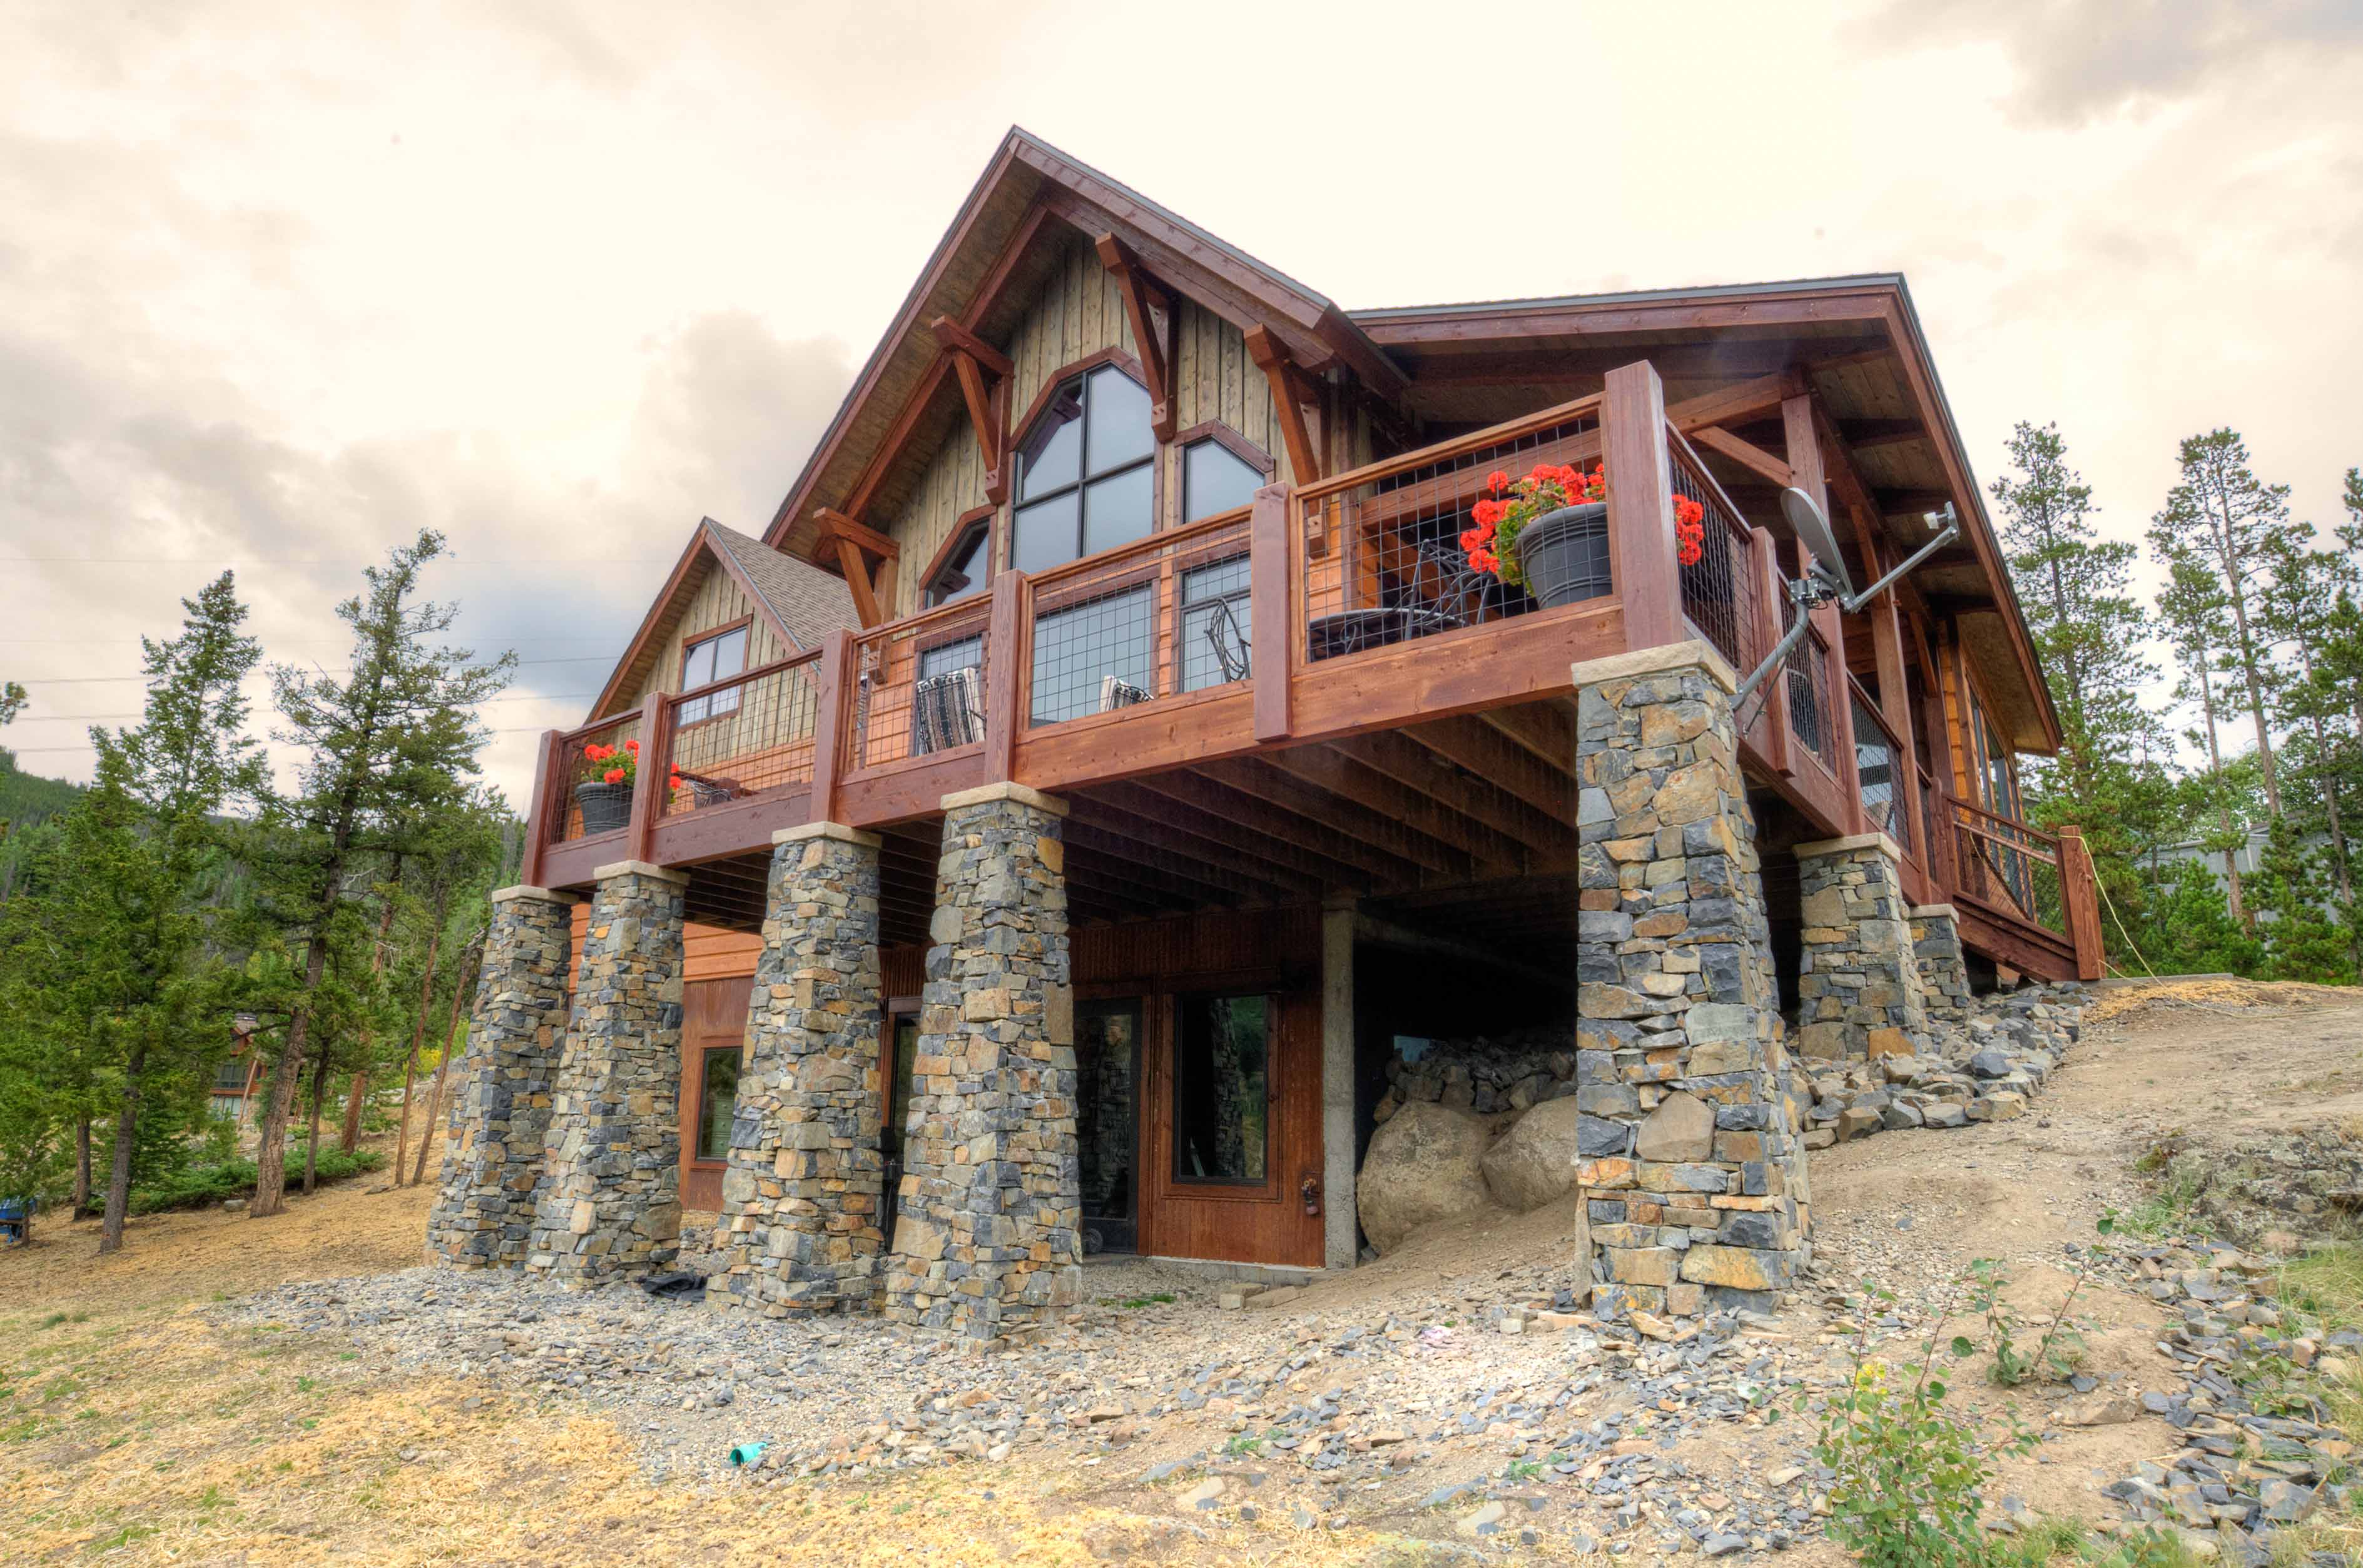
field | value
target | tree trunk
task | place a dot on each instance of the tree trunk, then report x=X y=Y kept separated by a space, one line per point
x=270 y=1159
x=311 y=1144
x=410 y=1063
x=2239 y=601
x=443 y=1064
x=357 y=1097
x=127 y=1129
x=82 y=1166
x=2222 y=813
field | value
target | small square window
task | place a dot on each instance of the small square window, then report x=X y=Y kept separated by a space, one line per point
x=707 y=661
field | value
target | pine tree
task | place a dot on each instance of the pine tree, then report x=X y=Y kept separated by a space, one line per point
x=2302 y=612
x=388 y=747
x=2192 y=606
x=2222 y=521
x=12 y=700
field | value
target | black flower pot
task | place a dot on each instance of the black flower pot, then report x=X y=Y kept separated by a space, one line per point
x=604 y=807
x=1564 y=554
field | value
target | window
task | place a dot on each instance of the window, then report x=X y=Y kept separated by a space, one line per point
x=1221 y=1093
x=2002 y=789
x=1216 y=479
x=1217 y=620
x=708 y=660
x=1086 y=478
x=967 y=565
x=717 y=1102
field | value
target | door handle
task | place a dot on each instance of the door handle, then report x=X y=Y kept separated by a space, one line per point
x=1311 y=1193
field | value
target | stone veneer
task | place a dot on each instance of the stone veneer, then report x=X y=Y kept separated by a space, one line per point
x=484 y=1208
x=986 y=1239
x=1688 y=1153
x=799 y=1228
x=609 y=1203
x=1859 y=980
x=1944 y=972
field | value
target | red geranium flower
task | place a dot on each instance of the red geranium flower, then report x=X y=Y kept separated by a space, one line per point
x=613 y=776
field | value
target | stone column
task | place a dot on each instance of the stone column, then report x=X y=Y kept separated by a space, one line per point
x=1858 y=982
x=609 y=1204
x=799 y=1228
x=986 y=1235
x=1688 y=1153
x=492 y=1154
x=1340 y=1229
x=1944 y=972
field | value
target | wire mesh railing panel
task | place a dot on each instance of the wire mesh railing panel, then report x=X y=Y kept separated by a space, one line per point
x=742 y=738
x=1384 y=558
x=1885 y=788
x=1716 y=565
x=2010 y=866
x=919 y=688
x=591 y=802
x=1807 y=672
x=1159 y=619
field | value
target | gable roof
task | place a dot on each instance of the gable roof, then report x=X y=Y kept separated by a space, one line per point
x=802 y=603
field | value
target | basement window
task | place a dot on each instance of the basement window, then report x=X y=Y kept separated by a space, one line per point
x=1222 y=1103
x=717 y=1101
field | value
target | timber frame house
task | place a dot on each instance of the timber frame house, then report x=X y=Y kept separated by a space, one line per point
x=1151 y=557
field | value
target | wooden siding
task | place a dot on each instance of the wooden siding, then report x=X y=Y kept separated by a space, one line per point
x=1215 y=380
x=1079 y=310
x=953 y=483
x=716 y=599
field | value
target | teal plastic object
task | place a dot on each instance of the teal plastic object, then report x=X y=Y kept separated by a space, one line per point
x=748 y=1452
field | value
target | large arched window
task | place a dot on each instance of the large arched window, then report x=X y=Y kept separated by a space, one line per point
x=1086 y=471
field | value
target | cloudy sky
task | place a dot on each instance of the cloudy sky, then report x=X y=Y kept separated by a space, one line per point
x=281 y=283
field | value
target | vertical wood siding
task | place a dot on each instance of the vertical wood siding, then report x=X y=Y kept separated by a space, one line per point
x=715 y=600
x=954 y=483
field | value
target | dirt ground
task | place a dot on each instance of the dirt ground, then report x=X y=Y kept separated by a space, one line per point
x=136 y=1425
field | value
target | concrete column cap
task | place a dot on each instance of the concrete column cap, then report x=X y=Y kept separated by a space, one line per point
x=543 y=895
x=641 y=868
x=837 y=831
x=1932 y=911
x=1695 y=654
x=1885 y=846
x=989 y=794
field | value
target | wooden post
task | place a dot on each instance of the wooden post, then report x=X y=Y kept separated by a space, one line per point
x=1641 y=506
x=1806 y=468
x=548 y=787
x=832 y=708
x=1007 y=679
x=1271 y=615
x=1764 y=559
x=2079 y=902
x=648 y=796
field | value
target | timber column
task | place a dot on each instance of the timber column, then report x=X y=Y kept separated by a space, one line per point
x=609 y=1205
x=1859 y=992
x=799 y=1228
x=491 y=1151
x=986 y=1236
x=1688 y=1153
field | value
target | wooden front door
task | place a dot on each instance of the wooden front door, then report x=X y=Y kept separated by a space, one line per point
x=713 y=1034
x=1231 y=1127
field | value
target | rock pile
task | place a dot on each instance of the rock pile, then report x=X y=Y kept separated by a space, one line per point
x=1485 y=1075
x=1988 y=1067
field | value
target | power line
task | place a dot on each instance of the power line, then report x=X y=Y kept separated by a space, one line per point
x=213 y=560
x=50 y=750
x=105 y=679
x=30 y=718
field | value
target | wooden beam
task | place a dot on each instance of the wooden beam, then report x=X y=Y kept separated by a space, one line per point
x=830 y=733
x=1640 y=506
x=1141 y=292
x=1489 y=753
x=1745 y=453
x=1320 y=807
x=959 y=340
x=1392 y=755
x=1289 y=397
x=1863 y=435
x=1732 y=404
x=984 y=418
x=1328 y=768
x=548 y=787
x=1273 y=619
x=1547 y=729
x=1006 y=685
x=1247 y=812
x=857 y=578
x=872 y=541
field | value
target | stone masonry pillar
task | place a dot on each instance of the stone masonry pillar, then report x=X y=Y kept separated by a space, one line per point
x=609 y=1205
x=986 y=1237
x=492 y=1154
x=1859 y=982
x=800 y=1224
x=1944 y=971
x=1688 y=1153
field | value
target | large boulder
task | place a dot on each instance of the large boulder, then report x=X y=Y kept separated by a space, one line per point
x=1534 y=1162
x=1424 y=1164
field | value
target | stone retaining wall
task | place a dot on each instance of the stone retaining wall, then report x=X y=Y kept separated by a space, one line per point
x=1858 y=983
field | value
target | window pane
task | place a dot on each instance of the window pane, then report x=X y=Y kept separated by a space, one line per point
x=1116 y=511
x=898 y=1098
x=1221 y=1103
x=717 y=1101
x=1078 y=649
x=1216 y=643
x=1213 y=479
x=1116 y=428
x=1046 y=533
x=1046 y=459
x=963 y=574
x=1107 y=1038
x=966 y=653
x=696 y=666
x=729 y=653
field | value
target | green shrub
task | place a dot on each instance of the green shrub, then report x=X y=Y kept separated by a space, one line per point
x=197 y=1186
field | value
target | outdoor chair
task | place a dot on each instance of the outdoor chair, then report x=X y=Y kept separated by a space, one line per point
x=1229 y=643
x=1115 y=692
x=947 y=711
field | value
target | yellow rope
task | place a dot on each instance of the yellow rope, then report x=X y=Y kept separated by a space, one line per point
x=2123 y=930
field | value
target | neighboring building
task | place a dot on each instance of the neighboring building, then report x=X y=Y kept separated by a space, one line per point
x=2249 y=857
x=239 y=1074
x=1176 y=763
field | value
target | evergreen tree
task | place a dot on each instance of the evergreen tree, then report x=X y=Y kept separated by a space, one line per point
x=2191 y=607
x=387 y=747
x=2302 y=610
x=2302 y=935
x=12 y=700
x=2223 y=521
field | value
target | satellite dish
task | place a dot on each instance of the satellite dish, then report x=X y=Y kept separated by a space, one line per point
x=1814 y=530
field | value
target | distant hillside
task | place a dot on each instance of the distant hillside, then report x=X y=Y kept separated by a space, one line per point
x=27 y=800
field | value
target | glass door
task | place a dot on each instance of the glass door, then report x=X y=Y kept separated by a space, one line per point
x=901 y=1046
x=1107 y=1122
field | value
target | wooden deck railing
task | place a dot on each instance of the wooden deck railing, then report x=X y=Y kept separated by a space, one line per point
x=1883 y=776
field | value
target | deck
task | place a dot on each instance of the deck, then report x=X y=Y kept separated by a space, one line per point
x=1294 y=699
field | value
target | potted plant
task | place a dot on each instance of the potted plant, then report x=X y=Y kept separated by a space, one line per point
x=1547 y=533
x=604 y=793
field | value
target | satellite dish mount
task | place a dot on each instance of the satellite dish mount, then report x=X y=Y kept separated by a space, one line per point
x=1827 y=580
